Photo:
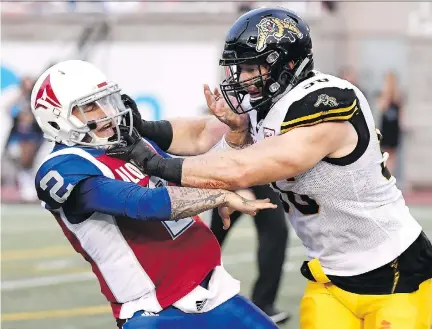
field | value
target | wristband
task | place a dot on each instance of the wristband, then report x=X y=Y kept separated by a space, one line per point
x=154 y=164
x=160 y=132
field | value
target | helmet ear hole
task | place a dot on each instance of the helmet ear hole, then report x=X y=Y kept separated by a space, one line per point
x=284 y=78
x=54 y=125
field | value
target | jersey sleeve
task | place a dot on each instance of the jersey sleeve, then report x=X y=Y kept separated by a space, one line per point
x=118 y=198
x=57 y=177
x=322 y=105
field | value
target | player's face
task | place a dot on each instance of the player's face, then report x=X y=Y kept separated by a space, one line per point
x=93 y=112
x=251 y=72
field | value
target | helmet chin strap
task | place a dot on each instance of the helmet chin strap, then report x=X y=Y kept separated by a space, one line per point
x=294 y=78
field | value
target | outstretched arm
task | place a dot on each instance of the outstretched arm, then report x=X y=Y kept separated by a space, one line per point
x=196 y=135
x=267 y=161
x=118 y=198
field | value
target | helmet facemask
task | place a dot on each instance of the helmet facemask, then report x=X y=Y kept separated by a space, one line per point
x=235 y=91
x=279 y=79
x=96 y=118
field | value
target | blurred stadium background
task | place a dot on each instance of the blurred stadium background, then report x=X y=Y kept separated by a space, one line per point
x=161 y=53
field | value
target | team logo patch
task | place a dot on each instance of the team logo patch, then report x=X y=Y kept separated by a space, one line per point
x=268 y=132
x=45 y=96
x=326 y=100
x=279 y=29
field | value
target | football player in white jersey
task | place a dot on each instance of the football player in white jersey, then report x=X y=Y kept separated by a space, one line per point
x=314 y=140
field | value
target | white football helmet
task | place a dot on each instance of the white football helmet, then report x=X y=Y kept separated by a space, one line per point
x=63 y=95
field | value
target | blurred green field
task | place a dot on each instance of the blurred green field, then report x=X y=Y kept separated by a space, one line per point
x=45 y=284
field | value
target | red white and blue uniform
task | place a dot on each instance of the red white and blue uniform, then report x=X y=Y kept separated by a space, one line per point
x=116 y=218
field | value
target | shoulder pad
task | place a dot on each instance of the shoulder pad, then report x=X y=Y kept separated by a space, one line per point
x=58 y=175
x=321 y=105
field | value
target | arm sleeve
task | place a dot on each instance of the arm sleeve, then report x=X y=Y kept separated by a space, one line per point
x=322 y=105
x=119 y=198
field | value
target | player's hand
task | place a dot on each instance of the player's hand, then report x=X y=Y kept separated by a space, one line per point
x=136 y=115
x=133 y=148
x=221 y=110
x=234 y=202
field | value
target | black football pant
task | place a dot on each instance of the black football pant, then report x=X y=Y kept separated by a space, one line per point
x=272 y=241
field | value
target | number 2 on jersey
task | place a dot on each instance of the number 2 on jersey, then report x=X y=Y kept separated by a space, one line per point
x=303 y=203
x=54 y=190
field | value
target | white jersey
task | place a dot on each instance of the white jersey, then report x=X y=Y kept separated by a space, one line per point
x=348 y=212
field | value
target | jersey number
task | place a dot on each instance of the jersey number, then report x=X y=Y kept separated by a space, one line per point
x=314 y=82
x=302 y=202
x=54 y=189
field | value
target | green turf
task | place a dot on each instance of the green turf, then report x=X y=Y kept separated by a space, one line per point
x=34 y=247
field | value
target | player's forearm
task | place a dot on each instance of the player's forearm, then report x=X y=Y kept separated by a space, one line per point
x=258 y=164
x=226 y=170
x=186 y=201
x=126 y=199
x=193 y=136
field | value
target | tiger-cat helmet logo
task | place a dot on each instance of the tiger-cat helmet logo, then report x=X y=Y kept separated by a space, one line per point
x=278 y=29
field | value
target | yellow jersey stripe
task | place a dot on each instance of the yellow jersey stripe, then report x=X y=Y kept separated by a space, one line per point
x=335 y=118
x=317 y=115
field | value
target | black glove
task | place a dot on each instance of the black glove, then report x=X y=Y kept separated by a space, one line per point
x=160 y=132
x=134 y=149
x=124 y=150
x=136 y=115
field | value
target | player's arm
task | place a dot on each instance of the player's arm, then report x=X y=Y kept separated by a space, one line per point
x=180 y=136
x=193 y=136
x=196 y=135
x=267 y=161
x=80 y=188
x=119 y=198
x=313 y=134
x=264 y=162
x=317 y=126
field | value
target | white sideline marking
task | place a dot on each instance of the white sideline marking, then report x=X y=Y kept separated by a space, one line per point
x=44 y=281
x=51 y=280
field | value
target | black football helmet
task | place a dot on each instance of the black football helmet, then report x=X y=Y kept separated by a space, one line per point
x=267 y=36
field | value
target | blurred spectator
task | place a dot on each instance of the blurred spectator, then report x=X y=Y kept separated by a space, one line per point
x=330 y=6
x=27 y=134
x=348 y=73
x=390 y=104
x=245 y=6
